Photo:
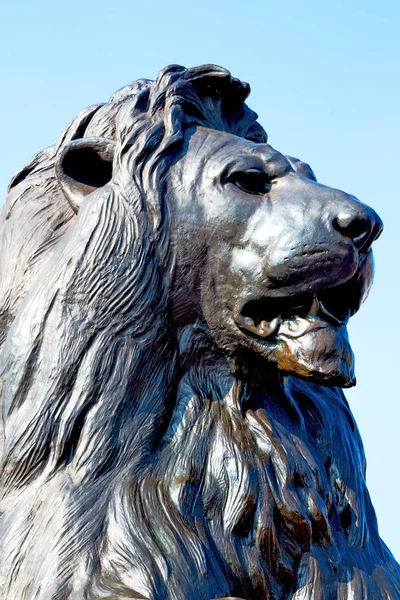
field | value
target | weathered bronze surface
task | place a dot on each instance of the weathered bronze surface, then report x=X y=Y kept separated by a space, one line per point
x=174 y=296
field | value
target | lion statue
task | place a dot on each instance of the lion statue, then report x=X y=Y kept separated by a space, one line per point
x=174 y=296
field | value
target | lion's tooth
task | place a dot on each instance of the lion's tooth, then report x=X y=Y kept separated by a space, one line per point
x=267 y=328
x=326 y=312
x=315 y=307
x=248 y=322
x=295 y=328
x=264 y=329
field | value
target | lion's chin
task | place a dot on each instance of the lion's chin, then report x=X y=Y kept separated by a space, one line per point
x=301 y=335
x=313 y=348
x=308 y=347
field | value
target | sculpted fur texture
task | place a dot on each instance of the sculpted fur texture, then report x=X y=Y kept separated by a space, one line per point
x=174 y=295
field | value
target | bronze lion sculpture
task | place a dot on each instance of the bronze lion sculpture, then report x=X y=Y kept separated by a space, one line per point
x=174 y=296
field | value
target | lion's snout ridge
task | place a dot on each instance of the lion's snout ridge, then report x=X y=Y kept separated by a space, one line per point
x=315 y=234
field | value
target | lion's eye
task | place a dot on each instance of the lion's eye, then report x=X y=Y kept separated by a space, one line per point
x=251 y=181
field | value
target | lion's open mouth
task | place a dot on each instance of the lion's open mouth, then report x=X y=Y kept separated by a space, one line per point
x=263 y=317
x=304 y=334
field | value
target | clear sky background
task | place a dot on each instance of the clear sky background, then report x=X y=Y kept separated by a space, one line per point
x=325 y=83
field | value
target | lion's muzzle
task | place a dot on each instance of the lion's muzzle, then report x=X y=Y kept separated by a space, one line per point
x=313 y=238
x=316 y=268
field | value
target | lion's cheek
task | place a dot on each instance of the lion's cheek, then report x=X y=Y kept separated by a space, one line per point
x=321 y=354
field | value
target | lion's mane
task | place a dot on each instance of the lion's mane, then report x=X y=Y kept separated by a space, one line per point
x=128 y=469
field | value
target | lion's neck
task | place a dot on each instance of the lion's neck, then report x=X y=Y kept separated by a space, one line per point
x=222 y=473
x=211 y=374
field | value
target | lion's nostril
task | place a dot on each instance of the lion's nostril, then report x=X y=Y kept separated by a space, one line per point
x=352 y=228
x=357 y=228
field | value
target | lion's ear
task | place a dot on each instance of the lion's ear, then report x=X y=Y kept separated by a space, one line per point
x=83 y=166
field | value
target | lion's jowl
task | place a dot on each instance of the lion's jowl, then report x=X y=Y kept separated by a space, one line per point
x=174 y=295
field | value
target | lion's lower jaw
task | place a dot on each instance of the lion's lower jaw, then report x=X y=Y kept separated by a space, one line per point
x=323 y=354
x=238 y=504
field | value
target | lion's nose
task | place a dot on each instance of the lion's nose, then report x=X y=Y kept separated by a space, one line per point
x=360 y=223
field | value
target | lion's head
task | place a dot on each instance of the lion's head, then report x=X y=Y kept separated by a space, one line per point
x=271 y=261
x=274 y=262
x=164 y=272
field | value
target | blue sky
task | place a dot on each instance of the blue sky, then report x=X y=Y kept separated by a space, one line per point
x=325 y=83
